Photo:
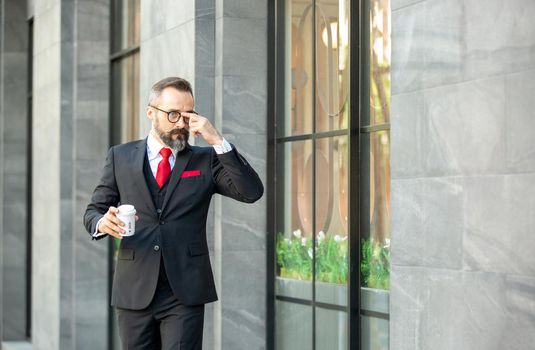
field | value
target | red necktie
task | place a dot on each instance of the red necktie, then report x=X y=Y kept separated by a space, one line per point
x=164 y=168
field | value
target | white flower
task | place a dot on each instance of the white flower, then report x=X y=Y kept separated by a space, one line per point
x=339 y=238
x=303 y=241
x=297 y=233
x=387 y=243
x=310 y=252
x=321 y=237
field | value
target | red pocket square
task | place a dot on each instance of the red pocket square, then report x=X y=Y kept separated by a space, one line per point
x=189 y=173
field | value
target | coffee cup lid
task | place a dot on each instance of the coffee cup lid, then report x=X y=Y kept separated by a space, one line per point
x=126 y=209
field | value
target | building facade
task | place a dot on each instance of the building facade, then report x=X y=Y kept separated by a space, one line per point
x=394 y=138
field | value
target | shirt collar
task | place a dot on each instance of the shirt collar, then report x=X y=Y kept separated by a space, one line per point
x=154 y=146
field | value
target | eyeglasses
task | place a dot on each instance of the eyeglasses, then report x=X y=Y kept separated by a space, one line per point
x=174 y=116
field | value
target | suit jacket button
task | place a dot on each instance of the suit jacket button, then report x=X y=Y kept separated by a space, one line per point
x=156 y=247
x=159 y=211
x=162 y=222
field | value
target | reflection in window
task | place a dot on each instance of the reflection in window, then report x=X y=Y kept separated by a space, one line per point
x=332 y=65
x=294 y=242
x=375 y=260
x=375 y=257
x=312 y=219
x=125 y=70
x=380 y=50
x=124 y=99
x=375 y=191
x=125 y=24
x=331 y=210
x=316 y=75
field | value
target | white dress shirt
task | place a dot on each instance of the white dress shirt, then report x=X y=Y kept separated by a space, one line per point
x=153 y=153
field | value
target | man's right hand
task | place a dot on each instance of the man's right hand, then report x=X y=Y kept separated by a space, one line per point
x=110 y=224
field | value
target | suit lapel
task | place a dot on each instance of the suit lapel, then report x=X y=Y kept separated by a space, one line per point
x=140 y=152
x=182 y=160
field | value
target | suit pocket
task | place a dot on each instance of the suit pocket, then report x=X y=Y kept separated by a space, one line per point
x=196 y=249
x=193 y=178
x=126 y=254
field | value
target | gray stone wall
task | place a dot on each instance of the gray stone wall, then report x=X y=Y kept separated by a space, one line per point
x=46 y=271
x=463 y=169
x=87 y=140
x=241 y=114
x=13 y=228
x=70 y=89
x=167 y=47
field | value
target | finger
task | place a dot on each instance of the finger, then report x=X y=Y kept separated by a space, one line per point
x=105 y=229
x=192 y=121
x=191 y=115
x=194 y=130
x=137 y=218
x=113 y=210
x=197 y=120
x=114 y=219
x=114 y=228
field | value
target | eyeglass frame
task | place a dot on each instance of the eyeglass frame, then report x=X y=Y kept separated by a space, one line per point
x=179 y=114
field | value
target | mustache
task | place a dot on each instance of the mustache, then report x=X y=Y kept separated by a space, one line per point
x=179 y=132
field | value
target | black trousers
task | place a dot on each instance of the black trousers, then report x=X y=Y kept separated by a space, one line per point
x=165 y=324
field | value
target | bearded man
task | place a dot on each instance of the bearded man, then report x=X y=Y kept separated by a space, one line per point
x=163 y=277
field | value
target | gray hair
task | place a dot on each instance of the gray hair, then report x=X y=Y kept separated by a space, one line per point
x=178 y=83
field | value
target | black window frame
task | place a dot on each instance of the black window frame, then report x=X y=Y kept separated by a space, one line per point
x=29 y=176
x=275 y=102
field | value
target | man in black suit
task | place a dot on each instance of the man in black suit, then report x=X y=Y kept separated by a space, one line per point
x=163 y=275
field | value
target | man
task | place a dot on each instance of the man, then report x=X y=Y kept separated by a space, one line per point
x=163 y=275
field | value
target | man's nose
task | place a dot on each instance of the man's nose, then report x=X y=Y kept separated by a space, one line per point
x=181 y=124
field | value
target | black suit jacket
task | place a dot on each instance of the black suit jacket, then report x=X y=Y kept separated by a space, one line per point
x=178 y=232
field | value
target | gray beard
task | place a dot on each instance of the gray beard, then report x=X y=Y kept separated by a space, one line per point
x=177 y=145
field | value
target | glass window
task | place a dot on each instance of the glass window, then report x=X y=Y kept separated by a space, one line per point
x=375 y=191
x=124 y=99
x=311 y=217
x=292 y=332
x=294 y=233
x=379 y=58
x=332 y=64
x=126 y=24
x=297 y=69
x=332 y=220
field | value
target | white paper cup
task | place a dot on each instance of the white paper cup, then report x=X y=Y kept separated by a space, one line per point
x=127 y=214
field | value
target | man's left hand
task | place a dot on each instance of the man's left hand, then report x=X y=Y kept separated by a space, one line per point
x=199 y=125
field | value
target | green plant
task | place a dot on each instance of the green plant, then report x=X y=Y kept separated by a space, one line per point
x=294 y=259
x=331 y=260
x=375 y=264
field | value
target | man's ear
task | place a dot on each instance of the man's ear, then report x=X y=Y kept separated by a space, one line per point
x=150 y=113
